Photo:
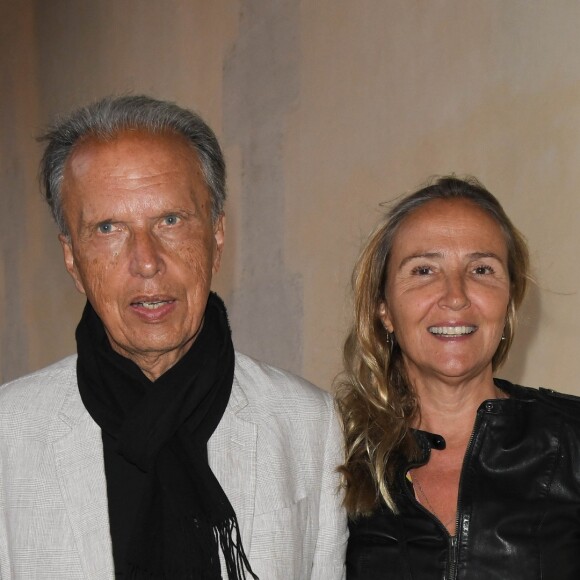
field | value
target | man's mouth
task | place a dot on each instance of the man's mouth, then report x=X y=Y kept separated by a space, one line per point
x=452 y=331
x=153 y=304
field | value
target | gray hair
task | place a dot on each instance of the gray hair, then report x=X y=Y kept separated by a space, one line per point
x=106 y=118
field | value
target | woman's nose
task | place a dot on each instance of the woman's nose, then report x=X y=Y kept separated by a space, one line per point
x=455 y=296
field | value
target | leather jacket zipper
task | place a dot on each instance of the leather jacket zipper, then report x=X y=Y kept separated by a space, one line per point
x=461 y=523
x=452 y=559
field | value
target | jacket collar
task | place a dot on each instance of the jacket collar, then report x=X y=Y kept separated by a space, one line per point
x=232 y=451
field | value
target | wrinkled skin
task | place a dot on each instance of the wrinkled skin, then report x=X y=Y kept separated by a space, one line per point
x=142 y=245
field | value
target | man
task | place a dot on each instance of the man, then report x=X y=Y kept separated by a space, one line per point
x=158 y=452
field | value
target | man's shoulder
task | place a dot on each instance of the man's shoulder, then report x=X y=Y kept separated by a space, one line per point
x=274 y=388
x=40 y=392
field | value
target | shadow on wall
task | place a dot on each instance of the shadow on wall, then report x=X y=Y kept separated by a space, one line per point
x=261 y=89
x=526 y=334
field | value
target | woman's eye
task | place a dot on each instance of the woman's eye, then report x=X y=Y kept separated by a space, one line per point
x=421 y=270
x=482 y=270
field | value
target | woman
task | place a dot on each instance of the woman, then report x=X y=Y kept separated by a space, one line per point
x=450 y=473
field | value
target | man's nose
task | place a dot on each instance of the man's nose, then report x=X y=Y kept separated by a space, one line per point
x=455 y=296
x=146 y=258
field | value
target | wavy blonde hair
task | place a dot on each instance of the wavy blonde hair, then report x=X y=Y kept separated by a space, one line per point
x=374 y=397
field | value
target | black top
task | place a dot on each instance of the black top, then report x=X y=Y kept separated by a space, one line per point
x=518 y=514
x=126 y=485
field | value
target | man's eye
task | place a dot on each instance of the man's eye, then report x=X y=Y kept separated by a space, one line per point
x=105 y=228
x=171 y=220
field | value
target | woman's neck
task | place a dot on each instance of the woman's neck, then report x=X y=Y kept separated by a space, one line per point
x=449 y=409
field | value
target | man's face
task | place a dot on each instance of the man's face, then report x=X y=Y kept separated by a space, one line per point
x=142 y=244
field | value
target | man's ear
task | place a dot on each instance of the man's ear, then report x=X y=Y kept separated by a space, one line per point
x=219 y=232
x=69 y=262
x=385 y=317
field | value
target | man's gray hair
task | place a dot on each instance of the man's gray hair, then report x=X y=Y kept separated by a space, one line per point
x=106 y=118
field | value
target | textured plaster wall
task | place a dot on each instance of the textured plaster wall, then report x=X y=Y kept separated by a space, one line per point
x=395 y=91
x=19 y=220
x=325 y=109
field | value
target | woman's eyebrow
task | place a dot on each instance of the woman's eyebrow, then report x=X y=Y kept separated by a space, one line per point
x=479 y=255
x=425 y=255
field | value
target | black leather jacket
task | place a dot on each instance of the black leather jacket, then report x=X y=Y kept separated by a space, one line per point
x=518 y=514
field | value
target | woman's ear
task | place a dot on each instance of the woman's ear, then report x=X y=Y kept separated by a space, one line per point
x=385 y=318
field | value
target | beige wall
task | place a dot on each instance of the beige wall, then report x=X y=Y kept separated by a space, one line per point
x=324 y=110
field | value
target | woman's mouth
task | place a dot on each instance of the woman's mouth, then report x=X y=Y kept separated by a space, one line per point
x=452 y=331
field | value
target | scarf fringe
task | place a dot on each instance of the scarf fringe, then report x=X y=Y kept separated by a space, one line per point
x=233 y=550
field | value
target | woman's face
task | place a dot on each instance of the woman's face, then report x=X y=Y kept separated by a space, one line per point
x=447 y=291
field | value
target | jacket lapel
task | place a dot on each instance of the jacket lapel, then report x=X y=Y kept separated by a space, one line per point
x=232 y=458
x=81 y=476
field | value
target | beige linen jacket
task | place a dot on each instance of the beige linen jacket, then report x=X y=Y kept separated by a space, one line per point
x=274 y=452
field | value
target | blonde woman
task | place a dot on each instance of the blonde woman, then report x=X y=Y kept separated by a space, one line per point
x=451 y=473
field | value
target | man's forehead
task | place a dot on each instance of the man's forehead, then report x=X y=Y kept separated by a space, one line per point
x=163 y=165
x=130 y=146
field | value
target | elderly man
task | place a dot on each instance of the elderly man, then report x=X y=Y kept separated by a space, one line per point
x=157 y=451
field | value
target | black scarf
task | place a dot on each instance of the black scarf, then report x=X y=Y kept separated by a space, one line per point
x=163 y=428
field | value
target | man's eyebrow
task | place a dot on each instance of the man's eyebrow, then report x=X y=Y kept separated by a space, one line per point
x=88 y=224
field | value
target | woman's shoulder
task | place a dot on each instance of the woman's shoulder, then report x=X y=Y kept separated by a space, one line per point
x=565 y=404
x=549 y=400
